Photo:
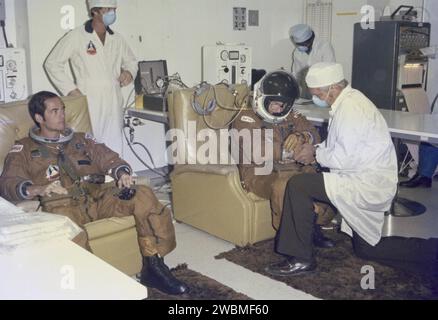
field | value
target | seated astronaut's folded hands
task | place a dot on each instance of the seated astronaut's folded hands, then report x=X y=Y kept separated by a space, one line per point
x=294 y=141
x=305 y=154
x=46 y=190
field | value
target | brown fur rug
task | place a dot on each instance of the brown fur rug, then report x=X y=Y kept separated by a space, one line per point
x=338 y=274
x=201 y=288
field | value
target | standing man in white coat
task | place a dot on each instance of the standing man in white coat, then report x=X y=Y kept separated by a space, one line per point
x=102 y=63
x=361 y=181
x=308 y=51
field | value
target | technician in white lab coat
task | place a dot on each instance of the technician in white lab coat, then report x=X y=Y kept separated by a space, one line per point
x=308 y=51
x=102 y=63
x=361 y=181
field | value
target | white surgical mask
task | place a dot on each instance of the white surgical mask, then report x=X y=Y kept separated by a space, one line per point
x=321 y=103
x=109 y=18
x=303 y=49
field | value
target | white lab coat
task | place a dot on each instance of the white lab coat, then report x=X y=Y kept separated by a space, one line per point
x=363 y=166
x=322 y=51
x=96 y=77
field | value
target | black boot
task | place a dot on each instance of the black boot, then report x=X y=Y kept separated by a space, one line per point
x=156 y=274
x=319 y=240
x=417 y=181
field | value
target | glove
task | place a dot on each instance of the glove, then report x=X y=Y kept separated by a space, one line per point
x=293 y=141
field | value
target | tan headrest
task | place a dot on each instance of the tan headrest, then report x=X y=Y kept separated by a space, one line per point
x=15 y=121
x=229 y=100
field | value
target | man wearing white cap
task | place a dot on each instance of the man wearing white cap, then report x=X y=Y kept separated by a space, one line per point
x=360 y=180
x=102 y=63
x=308 y=51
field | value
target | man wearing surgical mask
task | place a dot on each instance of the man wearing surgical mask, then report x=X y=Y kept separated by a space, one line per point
x=360 y=180
x=102 y=64
x=308 y=51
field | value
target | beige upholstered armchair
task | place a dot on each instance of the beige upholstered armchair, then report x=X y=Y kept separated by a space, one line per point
x=113 y=240
x=210 y=197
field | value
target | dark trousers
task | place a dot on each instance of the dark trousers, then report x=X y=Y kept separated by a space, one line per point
x=410 y=254
x=295 y=235
x=428 y=160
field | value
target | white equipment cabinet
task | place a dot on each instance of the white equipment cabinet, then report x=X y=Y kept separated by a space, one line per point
x=226 y=63
x=13 y=79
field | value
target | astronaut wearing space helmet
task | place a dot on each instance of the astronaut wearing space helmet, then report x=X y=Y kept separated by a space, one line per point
x=272 y=108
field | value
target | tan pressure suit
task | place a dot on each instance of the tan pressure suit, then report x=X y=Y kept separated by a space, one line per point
x=75 y=164
x=273 y=186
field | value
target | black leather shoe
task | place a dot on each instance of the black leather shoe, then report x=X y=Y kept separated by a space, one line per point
x=290 y=267
x=156 y=274
x=417 y=181
x=320 y=241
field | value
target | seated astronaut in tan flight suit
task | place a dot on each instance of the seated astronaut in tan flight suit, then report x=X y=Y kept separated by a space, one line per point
x=274 y=96
x=66 y=171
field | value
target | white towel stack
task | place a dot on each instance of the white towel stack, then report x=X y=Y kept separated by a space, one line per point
x=19 y=228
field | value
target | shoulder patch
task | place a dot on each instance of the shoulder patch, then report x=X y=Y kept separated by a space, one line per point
x=17 y=148
x=89 y=136
x=297 y=114
x=247 y=119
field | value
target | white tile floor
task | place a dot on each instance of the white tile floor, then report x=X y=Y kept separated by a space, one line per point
x=197 y=249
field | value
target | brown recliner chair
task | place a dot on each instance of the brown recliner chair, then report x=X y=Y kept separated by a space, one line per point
x=210 y=197
x=114 y=240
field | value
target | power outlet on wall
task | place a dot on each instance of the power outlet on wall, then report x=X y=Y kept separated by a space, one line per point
x=2 y=10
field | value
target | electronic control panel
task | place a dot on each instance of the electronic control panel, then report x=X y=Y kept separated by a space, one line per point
x=227 y=63
x=13 y=77
x=414 y=37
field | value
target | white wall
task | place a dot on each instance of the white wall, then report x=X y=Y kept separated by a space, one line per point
x=345 y=15
x=10 y=23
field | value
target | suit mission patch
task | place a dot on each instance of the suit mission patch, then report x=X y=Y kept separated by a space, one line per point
x=91 y=49
x=89 y=136
x=247 y=119
x=52 y=173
